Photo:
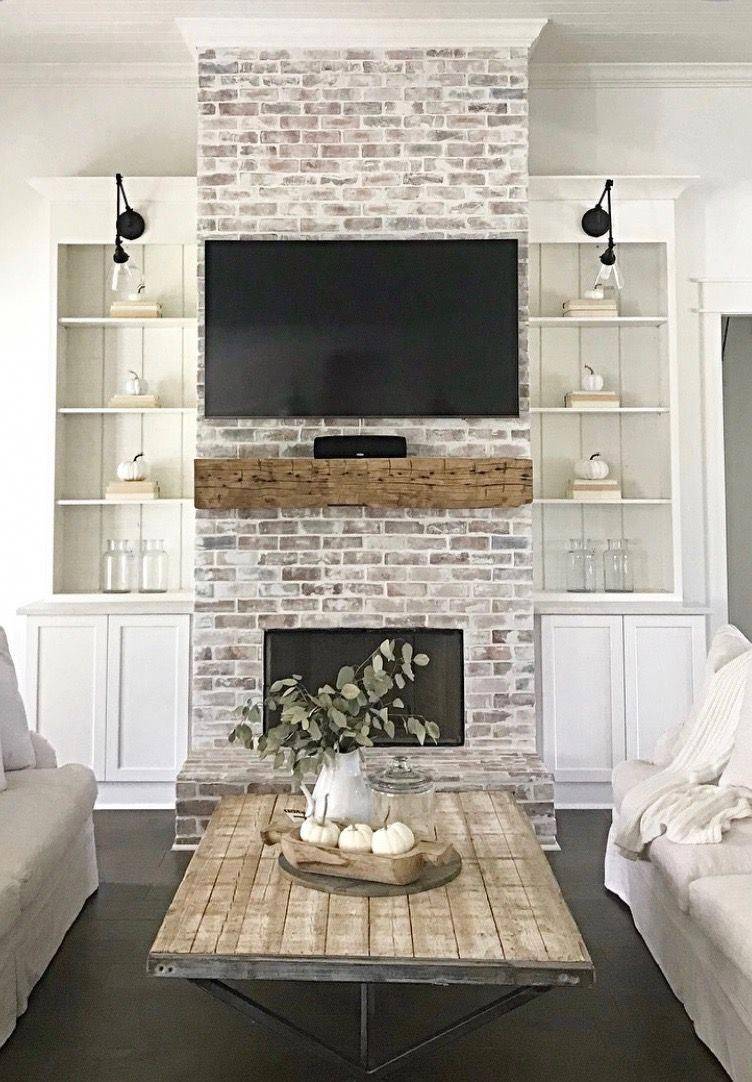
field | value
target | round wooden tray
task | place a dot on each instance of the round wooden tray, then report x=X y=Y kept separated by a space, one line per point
x=430 y=878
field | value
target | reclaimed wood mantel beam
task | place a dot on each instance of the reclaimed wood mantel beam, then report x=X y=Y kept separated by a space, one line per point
x=246 y=483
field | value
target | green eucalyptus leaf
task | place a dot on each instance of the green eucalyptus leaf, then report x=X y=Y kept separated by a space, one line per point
x=407 y=670
x=378 y=663
x=389 y=728
x=387 y=649
x=407 y=651
x=421 y=659
x=350 y=691
x=346 y=675
x=399 y=680
x=433 y=730
x=398 y=703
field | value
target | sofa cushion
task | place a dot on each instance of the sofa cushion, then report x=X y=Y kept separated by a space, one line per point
x=722 y=906
x=18 y=752
x=738 y=770
x=681 y=865
x=628 y=774
x=3 y=782
x=41 y=812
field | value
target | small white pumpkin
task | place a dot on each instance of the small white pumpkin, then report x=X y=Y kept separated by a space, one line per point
x=356 y=838
x=319 y=831
x=592 y=469
x=135 y=470
x=591 y=381
x=133 y=384
x=392 y=840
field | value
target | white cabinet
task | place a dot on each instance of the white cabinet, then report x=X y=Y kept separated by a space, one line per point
x=67 y=686
x=147 y=697
x=112 y=691
x=610 y=686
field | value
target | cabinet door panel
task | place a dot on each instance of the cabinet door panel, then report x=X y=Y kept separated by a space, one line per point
x=147 y=707
x=664 y=658
x=66 y=686
x=583 y=696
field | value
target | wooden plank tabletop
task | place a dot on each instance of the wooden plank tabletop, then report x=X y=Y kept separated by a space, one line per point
x=236 y=915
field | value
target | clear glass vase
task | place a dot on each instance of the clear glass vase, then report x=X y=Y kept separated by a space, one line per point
x=153 y=568
x=581 y=567
x=117 y=568
x=618 y=571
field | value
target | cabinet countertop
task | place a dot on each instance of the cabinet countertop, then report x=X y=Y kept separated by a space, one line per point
x=109 y=604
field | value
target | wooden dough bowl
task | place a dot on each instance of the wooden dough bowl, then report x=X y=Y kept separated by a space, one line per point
x=398 y=870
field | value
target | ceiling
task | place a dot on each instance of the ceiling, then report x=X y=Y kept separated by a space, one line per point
x=580 y=31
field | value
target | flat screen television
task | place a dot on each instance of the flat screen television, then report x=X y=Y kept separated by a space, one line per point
x=387 y=328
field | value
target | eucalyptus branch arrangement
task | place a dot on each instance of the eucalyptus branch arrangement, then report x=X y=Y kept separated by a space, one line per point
x=314 y=727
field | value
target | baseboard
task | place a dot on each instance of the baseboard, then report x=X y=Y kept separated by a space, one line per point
x=586 y=806
x=144 y=795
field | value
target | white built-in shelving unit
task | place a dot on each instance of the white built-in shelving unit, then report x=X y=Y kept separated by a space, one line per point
x=93 y=353
x=636 y=353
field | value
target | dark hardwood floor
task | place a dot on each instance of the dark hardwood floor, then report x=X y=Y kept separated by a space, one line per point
x=96 y=1017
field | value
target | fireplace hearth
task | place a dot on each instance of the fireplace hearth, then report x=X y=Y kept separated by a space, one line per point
x=317 y=654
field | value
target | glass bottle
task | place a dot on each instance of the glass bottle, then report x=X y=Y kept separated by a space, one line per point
x=403 y=793
x=618 y=572
x=153 y=568
x=117 y=568
x=581 y=566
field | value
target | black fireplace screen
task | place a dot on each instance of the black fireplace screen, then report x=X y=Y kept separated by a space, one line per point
x=317 y=654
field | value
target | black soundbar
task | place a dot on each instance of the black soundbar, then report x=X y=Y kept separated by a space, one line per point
x=360 y=447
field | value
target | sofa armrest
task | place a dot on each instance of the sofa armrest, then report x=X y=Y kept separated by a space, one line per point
x=44 y=752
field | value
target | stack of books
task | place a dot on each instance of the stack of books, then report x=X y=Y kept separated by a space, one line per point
x=591 y=400
x=134 y=401
x=590 y=307
x=602 y=491
x=135 y=309
x=122 y=491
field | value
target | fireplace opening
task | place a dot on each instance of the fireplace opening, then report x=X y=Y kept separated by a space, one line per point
x=317 y=654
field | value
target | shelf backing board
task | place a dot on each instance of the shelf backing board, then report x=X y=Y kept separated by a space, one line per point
x=93 y=363
x=634 y=362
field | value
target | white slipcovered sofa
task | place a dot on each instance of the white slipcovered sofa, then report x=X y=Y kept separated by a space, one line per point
x=692 y=904
x=48 y=864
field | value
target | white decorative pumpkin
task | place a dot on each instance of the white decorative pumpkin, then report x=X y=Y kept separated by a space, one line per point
x=356 y=838
x=592 y=469
x=392 y=840
x=319 y=831
x=591 y=381
x=135 y=470
x=133 y=384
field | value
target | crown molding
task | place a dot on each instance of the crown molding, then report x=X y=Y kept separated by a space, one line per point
x=375 y=33
x=91 y=190
x=594 y=76
x=577 y=187
x=154 y=76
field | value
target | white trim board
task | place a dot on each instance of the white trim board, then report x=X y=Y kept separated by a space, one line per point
x=161 y=76
x=602 y=76
x=387 y=33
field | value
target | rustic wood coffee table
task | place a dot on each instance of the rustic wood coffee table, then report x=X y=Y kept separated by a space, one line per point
x=237 y=917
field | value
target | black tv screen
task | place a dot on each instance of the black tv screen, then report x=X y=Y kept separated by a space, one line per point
x=389 y=328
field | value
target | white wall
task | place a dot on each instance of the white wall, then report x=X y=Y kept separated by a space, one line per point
x=56 y=131
x=142 y=130
x=675 y=130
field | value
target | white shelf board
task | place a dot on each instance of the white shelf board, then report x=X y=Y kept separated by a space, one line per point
x=126 y=409
x=123 y=503
x=599 y=409
x=132 y=603
x=599 y=503
x=597 y=321
x=110 y=321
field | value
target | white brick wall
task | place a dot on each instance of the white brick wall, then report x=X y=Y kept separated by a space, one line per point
x=395 y=143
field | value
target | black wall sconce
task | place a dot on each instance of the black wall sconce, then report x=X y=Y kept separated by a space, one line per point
x=596 y=222
x=129 y=225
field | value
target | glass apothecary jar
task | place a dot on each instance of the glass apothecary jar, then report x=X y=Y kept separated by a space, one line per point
x=618 y=571
x=117 y=568
x=153 y=568
x=581 y=567
x=403 y=793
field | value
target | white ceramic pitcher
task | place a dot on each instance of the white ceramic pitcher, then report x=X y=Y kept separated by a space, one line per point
x=346 y=786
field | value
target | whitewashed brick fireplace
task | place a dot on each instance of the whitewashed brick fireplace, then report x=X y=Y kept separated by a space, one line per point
x=366 y=142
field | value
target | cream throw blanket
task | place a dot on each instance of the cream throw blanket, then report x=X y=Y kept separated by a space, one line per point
x=680 y=802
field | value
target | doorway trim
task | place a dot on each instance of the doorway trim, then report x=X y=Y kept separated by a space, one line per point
x=718 y=298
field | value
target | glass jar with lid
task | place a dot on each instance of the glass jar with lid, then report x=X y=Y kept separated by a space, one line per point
x=153 y=570
x=117 y=567
x=403 y=793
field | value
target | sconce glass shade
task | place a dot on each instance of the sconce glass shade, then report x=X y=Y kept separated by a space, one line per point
x=126 y=275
